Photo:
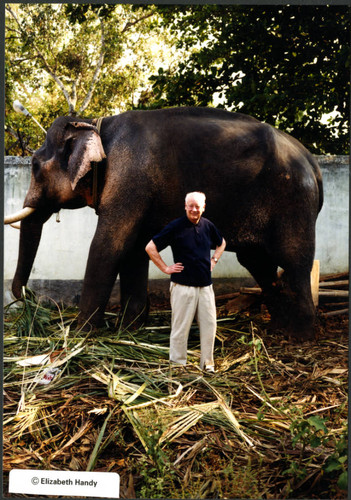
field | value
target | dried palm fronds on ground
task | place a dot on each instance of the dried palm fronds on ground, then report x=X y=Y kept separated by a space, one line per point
x=270 y=423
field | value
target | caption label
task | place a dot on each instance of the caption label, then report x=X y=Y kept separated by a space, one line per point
x=67 y=483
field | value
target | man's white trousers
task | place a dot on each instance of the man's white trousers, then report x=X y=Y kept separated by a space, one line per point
x=187 y=303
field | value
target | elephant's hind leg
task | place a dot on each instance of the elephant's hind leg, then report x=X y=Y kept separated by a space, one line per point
x=296 y=280
x=289 y=297
x=264 y=270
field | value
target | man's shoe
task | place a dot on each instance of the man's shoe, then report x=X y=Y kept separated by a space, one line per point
x=209 y=369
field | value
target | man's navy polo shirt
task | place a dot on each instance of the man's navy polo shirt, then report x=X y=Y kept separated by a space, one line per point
x=191 y=245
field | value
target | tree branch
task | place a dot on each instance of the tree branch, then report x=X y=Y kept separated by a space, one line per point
x=45 y=63
x=10 y=131
x=96 y=72
x=74 y=93
x=129 y=24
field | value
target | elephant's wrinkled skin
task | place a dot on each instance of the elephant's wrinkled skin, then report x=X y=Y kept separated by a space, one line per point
x=263 y=188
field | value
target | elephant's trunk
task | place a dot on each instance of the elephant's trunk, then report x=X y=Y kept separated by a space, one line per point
x=30 y=235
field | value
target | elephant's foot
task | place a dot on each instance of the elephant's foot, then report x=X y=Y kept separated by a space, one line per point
x=302 y=329
x=297 y=329
x=133 y=315
x=89 y=322
x=292 y=323
x=279 y=312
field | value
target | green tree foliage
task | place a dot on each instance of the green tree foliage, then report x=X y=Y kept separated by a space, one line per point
x=286 y=65
x=89 y=60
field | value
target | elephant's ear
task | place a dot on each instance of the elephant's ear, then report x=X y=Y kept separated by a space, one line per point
x=86 y=148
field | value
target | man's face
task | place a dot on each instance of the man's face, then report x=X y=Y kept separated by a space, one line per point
x=194 y=208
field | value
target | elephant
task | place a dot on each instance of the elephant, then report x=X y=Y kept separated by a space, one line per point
x=263 y=187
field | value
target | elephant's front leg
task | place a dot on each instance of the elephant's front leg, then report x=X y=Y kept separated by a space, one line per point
x=100 y=275
x=133 y=275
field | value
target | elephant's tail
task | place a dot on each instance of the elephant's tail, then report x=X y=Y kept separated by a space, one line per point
x=318 y=176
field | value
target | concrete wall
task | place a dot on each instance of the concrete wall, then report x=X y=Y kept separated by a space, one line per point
x=64 y=246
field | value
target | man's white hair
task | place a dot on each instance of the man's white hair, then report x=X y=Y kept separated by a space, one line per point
x=196 y=194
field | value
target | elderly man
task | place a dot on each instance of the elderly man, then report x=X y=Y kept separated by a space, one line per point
x=191 y=238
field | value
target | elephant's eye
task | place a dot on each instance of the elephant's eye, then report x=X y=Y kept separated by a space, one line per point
x=35 y=167
x=67 y=149
x=70 y=143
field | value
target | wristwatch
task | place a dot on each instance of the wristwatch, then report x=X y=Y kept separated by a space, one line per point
x=216 y=260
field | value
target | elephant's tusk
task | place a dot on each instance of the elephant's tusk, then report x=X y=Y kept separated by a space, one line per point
x=22 y=214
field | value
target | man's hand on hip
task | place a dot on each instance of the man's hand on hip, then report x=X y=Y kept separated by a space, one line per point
x=174 y=268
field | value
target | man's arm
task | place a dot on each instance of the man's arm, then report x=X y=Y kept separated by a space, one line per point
x=156 y=258
x=217 y=253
